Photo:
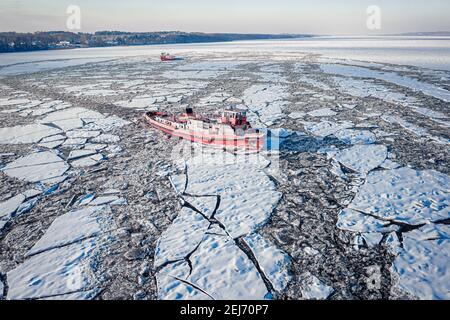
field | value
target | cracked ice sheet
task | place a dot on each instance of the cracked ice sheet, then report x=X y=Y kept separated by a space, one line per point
x=364 y=89
x=205 y=205
x=8 y=207
x=72 y=118
x=324 y=112
x=405 y=195
x=32 y=133
x=362 y=158
x=182 y=237
x=411 y=83
x=422 y=268
x=265 y=103
x=418 y=131
x=173 y=284
x=73 y=227
x=222 y=270
x=355 y=221
x=353 y=136
x=313 y=288
x=273 y=262
x=40 y=166
x=55 y=272
x=326 y=128
x=247 y=201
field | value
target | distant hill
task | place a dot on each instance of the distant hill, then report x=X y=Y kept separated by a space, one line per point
x=16 y=42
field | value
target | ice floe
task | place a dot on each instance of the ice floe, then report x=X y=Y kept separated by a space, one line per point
x=411 y=83
x=88 y=221
x=37 y=167
x=362 y=158
x=266 y=103
x=353 y=136
x=199 y=252
x=72 y=118
x=272 y=261
x=326 y=128
x=355 y=221
x=220 y=268
x=324 y=112
x=313 y=289
x=32 y=133
x=421 y=268
x=182 y=237
x=404 y=195
x=55 y=272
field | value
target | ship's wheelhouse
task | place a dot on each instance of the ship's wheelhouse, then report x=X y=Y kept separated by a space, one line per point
x=235 y=117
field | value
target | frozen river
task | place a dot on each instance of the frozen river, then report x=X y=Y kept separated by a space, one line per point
x=426 y=52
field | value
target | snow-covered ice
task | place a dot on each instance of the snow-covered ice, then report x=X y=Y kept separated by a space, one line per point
x=411 y=83
x=273 y=262
x=37 y=167
x=422 y=269
x=405 y=195
x=313 y=289
x=362 y=158
x=32 y=133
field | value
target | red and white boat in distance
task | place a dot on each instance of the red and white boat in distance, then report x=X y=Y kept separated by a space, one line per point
x=167 y=57
x=229 y=131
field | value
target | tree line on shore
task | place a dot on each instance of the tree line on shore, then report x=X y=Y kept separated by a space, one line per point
x=17 y=42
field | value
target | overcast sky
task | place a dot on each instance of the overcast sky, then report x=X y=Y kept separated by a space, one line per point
x=336 y=17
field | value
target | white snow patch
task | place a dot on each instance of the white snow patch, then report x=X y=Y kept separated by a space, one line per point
x=313 y=289
x=181 y=238
x=54 y=272
x=411 y=83
x=362 y=158
x=31 y=133
x=40 y=166
x=422 y=269
x=352 y=136
x=273 y=262
x=405 y=195
x=73 y=227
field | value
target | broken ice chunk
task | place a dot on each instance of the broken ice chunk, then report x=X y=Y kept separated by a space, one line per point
x=37 y=167
x=218 y=258
x=181 y=238
x=326 y=128
x=54 y=272
x=313 y=289
x=178 y=182
x=393 y=243
x=355 y=221
x=422 y=269
x=405 y=195
x=324 y=112
x=273 y=262
x=106 y=138
x=8 y=207
x=32 y=133
x=206 y=205
x=88 y=161
x=73 y=227
x=352 y=136
x=362 y=158
x=372 y=239
x=82 y=134
x=173 y=284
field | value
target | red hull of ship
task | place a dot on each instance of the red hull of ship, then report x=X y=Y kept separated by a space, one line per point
x=247 y=143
